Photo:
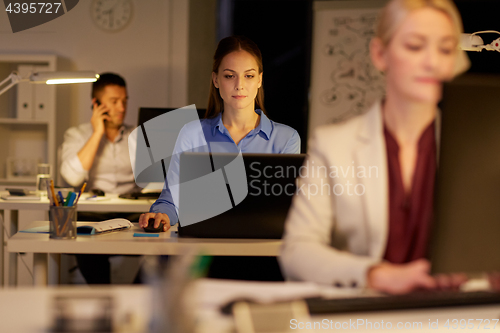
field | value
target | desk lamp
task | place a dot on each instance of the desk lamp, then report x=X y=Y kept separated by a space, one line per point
x=473 y=42
x=49 y=78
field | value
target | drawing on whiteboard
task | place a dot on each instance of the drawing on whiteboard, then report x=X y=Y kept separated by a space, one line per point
x=356 y=83
x=345 y=83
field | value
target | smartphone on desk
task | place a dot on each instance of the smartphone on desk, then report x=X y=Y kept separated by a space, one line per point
x=97 y=195
x=97 y=192
x=18 y=191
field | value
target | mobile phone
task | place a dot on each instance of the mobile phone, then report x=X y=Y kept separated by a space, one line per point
x=98 y=192
x=98 y=102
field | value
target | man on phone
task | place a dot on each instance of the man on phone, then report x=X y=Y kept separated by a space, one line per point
x=97 y=152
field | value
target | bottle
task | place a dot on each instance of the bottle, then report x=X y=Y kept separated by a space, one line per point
x=173 y=292
x=42 y=179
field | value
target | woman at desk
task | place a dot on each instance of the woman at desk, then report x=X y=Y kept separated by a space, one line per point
x=235 y=119
x=372 y=227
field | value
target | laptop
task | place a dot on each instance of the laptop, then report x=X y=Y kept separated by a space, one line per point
x=269 y=180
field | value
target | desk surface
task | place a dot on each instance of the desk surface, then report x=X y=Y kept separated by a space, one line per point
x=124 y=242
x=31 y=310
x=132 y=309
x=28 y=211
x=112 y=204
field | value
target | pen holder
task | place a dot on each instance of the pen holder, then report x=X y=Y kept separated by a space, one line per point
x=62 y=222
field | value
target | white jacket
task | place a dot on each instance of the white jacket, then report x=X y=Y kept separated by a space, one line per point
x=333 y=237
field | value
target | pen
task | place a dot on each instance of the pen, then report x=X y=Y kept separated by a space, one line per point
x=71 y=199
x=66 y=202
x=61 y=198
x=80 y=192
x=49 y=194
x=69 y=202
x=53 y=193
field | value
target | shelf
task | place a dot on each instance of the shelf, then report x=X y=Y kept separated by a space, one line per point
x=23 y=121
x=27 y=129
x=24 y=180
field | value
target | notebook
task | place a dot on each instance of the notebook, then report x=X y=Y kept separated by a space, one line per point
x=92 y=228
x=104 y=226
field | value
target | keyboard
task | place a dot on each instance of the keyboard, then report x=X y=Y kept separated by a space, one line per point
x=140 y=195
x=426 y=299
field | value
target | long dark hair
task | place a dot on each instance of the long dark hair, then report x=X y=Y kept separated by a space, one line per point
x=226 y=46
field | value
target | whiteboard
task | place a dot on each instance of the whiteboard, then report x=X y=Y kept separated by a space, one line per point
x=344 y=83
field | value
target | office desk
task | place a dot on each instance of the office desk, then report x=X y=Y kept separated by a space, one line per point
x=31 y=310
x=133 y=304
x=123 y=242
x=12 y=213
x=114 y=204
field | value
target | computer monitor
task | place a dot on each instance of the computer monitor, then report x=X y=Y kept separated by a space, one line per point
x=146 y=114
x=466 y=230
x=151 y=178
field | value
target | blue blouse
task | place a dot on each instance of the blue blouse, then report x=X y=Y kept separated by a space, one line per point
x=268 y=137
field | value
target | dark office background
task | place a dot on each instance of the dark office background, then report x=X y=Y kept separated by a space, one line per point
x=480 y=15
x=283 y=31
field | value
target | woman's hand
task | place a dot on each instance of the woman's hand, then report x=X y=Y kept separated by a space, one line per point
x=160 y=218
x=450 y=281
x=494 y=279
x=401 y=278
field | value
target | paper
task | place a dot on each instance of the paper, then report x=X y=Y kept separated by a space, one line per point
x=104 y=226
x=37 y=230
x=217 y=292
x=84 y=229
x=96 y=198
x=21 y=197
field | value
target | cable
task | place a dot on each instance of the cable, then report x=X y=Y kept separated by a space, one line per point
x=3 y=226
x=25 y=265
x=486 y=32
x=19 y=255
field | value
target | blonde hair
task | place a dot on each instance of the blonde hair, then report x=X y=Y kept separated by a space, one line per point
x=395 y=11
x=393 y=14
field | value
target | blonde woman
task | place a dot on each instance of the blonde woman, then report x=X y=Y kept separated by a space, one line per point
x=368 y=224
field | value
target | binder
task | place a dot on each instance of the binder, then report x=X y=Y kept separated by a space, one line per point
x=42 y=97
x=25 y=98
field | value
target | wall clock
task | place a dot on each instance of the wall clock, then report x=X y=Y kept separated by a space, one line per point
x=111 y=15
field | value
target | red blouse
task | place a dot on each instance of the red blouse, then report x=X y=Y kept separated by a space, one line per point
x=410 y=215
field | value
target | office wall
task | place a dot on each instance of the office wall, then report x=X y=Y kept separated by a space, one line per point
x=202 y=45
x=283 y=34
x=147 y=53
